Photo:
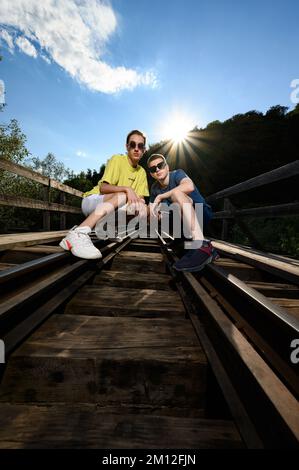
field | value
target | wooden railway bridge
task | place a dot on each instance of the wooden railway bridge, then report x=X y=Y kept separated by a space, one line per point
x=126 y=353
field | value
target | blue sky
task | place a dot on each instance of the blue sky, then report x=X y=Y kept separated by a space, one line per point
x=79 y=75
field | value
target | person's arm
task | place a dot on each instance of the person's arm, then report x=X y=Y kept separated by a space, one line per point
x=107 y=188
x=186 y=186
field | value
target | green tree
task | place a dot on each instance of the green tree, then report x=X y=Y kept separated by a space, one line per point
x=51 y=167
x=13 y=142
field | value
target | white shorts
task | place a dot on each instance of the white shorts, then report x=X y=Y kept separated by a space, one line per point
x=90 y=203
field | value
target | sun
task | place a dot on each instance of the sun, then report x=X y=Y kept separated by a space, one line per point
x=177 y=128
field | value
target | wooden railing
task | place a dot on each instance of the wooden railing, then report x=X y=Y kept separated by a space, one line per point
x=231 y=214
x=46 y=205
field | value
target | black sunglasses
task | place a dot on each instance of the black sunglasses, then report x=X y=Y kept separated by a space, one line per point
x=159 y=166
x=133 y=145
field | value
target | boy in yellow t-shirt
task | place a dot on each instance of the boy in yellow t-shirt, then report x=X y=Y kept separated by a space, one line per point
x=124 y=183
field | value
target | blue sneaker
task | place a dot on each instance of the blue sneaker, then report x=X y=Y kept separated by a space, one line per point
x=195 y=260
x=215 y=254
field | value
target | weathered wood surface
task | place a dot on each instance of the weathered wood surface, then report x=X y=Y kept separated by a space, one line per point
x=275 y=289
x=133 y=280
x=265 y=259
x=278 y=210
x=139 y=262
x=22 y=296
x=8 y=242
x=120 y=301
x=291 y=305
x=16 y=201
x=282 y=400
x=241 y=270
x=4 y=266
x=47 y=249
x=113 y=381
x=86 y=426
x=278 y=174
x=74 y=358
x=35 y=176
x=148 y=245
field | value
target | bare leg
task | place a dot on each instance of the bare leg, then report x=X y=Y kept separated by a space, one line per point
x=189 y=214
x=111 y=202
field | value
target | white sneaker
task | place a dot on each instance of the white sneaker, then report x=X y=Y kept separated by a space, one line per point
x=78 y=242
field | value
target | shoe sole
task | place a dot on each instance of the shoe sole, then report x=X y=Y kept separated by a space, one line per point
x=63 y=244
x=195 y=268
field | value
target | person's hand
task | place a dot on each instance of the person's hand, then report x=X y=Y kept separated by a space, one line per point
x=154 y=207
x=132 y=197
x=138 y=207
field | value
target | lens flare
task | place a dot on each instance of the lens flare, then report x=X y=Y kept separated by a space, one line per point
x=177 y=128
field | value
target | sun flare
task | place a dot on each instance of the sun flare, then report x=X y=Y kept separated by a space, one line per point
x=177 y=128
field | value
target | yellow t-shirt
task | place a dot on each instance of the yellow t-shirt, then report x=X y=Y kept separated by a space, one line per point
x=119 y=172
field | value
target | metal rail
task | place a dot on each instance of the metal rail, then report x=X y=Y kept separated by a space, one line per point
x=260 y=386
x=42 y=297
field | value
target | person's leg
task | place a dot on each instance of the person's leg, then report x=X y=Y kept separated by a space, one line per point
x=109 y=204
x=201 y=252
x=77 y=239
x=189 y=216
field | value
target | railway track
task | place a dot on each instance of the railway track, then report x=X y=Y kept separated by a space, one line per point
x=126 y=353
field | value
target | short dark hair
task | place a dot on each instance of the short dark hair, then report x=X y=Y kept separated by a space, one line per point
x=136 y=131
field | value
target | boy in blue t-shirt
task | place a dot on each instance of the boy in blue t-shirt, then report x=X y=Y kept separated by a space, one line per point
x=176 y=187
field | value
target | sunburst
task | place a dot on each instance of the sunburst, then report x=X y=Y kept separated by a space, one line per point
x=177 y=128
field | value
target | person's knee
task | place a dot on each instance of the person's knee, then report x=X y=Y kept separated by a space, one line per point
x=180 y=197
x=119 y=199
x=143 y=211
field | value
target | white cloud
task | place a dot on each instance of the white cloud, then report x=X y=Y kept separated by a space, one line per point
x=45 y=58
x=80 y=153
x=5 y=36
x=74 y=34
x=26 y=46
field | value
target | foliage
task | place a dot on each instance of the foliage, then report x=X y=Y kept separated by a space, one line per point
x=13 y=142
x=50 y=167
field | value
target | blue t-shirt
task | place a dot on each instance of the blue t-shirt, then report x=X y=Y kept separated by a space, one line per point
x=175 y=177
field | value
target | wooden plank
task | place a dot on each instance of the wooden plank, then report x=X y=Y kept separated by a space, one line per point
x=11 y=241
x=20 y=170
x=24 y=328
x=278 y=210
x=119 y=301
x=136 y=280
x=275 y=289
x=265 y=261
x=230 y=394
x=16 y=201
x=241 y=270
x=278 y=174
x=46 y=214
x=140 y=262
x=4 y=266
x=47 y=249
x=291 y=305
x=62 y=217
x=225 y=223
x=141 y=256
x=108 y=360
x=22 y=296
x=87 y=426
x=146 y=247
x=35 y=176
x=278 y=364
x=280 y=397
x=144 y=241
